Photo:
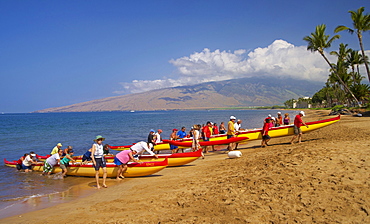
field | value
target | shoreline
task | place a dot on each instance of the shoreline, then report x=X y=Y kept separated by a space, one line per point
x=323 y=179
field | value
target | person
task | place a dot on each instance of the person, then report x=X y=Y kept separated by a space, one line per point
x=141 y=147
x=237 y=127
x=182 y=133
x=279 y=119
x=121 y=160
x=65 y=151
x=65 y=161
x=106 y=148
x=158 y=136
x=27 y=163
x=286 y=119
x=195 y=146
x=207 y=132
x=222 y=128
x=265 y=131
x=272 y=122
x=174 y=136
x=298 y=123
x=56 y=149
x=51 y=162
x=97 y=156
x=151 y=137
x=20 y=161
x=231 y=132
x=215 y=129
x=86 y=157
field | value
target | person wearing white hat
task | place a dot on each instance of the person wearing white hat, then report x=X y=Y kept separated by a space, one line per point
x=231 y=132
x=298 y=123
x=97 y=156
x=56 y=149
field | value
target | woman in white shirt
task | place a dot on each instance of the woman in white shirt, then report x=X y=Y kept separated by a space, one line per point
x=97 y=156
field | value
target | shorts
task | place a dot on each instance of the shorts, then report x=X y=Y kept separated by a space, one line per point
x=230 y=136
x=86 y=158
x=206 y=139
x=173 y=147
x=222 y=132
x=297 y=130
x=63 y=166
x=47 y=168
x=100 y=162
x=117 y=161
x=266 y=137
x=26 y=167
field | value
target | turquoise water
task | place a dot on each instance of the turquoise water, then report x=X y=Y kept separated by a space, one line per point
x=21 y=133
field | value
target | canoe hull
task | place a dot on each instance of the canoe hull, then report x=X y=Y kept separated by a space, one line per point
x=133 y=170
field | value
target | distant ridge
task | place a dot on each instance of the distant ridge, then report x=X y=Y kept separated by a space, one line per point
x=245 y=92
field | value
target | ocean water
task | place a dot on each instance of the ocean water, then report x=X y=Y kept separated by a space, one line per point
x=22 y=133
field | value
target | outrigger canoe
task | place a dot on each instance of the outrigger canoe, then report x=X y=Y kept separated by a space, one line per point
x=177 y=159
x=208 y=143
x=133 y=170
x=159 y=147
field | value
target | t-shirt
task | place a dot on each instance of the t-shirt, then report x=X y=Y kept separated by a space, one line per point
x=55 y=150
x=65 y=159
x=158 y=140
x=265 y=129
x=230 y=128
x=237 y=126
x=181 y=134
x=140 y=147
x=207 y=131
x=53 y=160
x=27 y=161
x=298 y=121
x=123 y=156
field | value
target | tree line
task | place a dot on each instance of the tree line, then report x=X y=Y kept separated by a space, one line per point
x=343 y=85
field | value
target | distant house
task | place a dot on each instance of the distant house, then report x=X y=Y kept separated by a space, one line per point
x=304 y=102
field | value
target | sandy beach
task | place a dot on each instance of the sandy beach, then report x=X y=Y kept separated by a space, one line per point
x=325 y=179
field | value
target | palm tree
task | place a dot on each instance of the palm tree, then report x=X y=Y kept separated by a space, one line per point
x=361 y=23
x=318 y=41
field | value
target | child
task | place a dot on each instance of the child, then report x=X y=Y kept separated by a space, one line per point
x=65 y=161
x=121 y=161
x=265 y=131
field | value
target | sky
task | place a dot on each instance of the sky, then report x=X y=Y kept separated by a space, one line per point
x=58 y=53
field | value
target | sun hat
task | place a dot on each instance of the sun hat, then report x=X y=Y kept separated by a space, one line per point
x=269 y=115
x=99 y=137
x=33 y=154
x=302 y=112
x=151 y=130
x=174 y=129
x=278 y=112
x=59 y=144
x=232 y=118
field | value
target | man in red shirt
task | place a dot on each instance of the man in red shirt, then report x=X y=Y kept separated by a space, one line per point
x=265 y=133
x=298 y=123
x=207 y=132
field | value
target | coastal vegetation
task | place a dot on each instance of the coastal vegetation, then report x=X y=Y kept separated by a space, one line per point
x=344 y=84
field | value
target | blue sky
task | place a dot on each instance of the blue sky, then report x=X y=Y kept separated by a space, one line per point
x=57 y=53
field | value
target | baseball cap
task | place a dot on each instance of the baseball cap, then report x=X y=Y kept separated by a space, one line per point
x=302 y=112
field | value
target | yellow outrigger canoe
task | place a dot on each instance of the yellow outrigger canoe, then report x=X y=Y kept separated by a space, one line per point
x=255 y=134
x=133 y=170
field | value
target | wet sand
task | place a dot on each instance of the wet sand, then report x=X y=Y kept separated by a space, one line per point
x=325 y=179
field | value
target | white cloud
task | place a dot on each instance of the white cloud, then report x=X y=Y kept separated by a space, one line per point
x=280 y=59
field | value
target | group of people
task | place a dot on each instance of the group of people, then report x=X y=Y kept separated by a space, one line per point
x=96 y=153
x=270 y=122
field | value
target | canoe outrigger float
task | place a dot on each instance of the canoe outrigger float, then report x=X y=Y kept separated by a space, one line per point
x=255 y=134
x=133 y=170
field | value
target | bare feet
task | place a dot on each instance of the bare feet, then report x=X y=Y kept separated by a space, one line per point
x=105 y=186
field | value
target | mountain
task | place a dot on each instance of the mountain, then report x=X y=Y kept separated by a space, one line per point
x=245 y=92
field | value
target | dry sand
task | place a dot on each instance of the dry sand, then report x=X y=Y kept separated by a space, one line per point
x=325 y=179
